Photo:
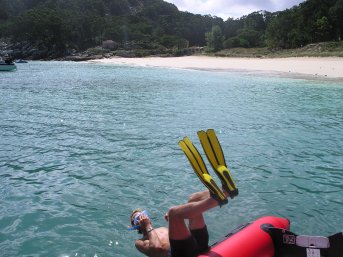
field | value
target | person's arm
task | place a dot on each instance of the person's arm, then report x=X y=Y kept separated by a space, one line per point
x=143 y=246
x=153 y=242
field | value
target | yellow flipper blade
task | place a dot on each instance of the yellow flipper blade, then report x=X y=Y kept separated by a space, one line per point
x=191 y=158
x=206 y=145
x=226 y=174
x=214 y=153
x=200 y=169
x=212 y=186
x=196 y=155
x=216 y=147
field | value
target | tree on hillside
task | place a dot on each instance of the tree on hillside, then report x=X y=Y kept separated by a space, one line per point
x=255 y=21
x=44 y=26
x=214 y=39
x=336 y=14
x=232 y=26
x=314 y=19
x=285 y=31
x=322 y=29
x=248 y=31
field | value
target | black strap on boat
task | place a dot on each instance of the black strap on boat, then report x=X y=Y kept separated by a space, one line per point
x=231 y=233
x=289 y=244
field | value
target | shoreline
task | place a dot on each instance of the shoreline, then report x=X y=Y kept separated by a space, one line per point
x=324 y=68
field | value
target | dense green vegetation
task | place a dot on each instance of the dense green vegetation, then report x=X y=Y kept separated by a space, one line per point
x=63 y=25
x=323 y=49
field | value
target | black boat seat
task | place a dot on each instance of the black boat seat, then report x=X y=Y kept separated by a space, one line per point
x=289 y=244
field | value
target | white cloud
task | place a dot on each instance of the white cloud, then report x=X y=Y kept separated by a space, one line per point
x=232 y=8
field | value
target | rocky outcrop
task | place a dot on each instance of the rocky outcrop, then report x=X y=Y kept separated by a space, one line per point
x=28 y=51
x=37 y=51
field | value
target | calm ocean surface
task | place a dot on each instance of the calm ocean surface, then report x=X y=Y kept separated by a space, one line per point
x=82 y=145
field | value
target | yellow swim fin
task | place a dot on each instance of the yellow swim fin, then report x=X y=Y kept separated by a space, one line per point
x=215 y=156
x=201 y=171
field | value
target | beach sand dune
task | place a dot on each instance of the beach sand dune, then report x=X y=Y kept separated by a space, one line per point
x=313 y=67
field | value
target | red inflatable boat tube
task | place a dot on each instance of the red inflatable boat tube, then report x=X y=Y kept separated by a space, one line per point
x=248 y=240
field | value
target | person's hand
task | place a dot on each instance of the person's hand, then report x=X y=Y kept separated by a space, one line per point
x=166 y=216
x=144 y=221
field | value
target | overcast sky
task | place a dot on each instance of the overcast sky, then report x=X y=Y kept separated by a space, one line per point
x=232 y=8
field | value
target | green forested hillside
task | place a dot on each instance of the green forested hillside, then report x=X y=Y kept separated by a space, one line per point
x=79 y=24
x=55 y=27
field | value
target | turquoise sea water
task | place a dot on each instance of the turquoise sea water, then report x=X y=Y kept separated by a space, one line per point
x=82 y=145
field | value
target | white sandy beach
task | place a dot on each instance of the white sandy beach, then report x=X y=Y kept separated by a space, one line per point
x=326 y=67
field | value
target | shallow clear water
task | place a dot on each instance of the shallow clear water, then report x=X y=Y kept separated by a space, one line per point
x=82 y=145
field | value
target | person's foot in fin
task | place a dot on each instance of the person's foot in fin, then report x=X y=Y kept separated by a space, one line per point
x=215 y=156
x=200 y=169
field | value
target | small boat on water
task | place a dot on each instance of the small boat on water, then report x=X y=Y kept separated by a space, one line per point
x=7 y=64
x=7 y=67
